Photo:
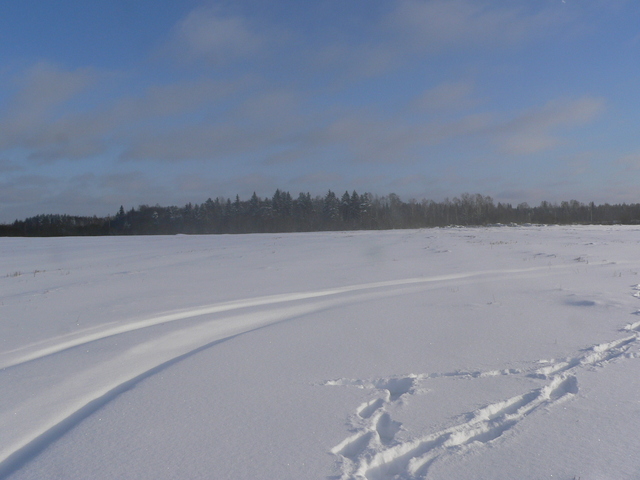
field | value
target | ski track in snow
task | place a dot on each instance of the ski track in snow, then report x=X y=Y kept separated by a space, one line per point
x=58 y=344
x=33 y=425
x=373 y=453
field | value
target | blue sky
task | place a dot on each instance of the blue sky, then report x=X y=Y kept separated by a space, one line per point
x=113 y=102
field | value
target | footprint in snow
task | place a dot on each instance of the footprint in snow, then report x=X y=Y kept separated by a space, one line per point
x=373 y=451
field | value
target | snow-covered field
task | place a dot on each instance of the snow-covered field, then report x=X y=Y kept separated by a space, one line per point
x=461 y=353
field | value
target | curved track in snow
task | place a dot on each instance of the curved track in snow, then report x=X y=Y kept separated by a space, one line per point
x=35 y=423
x=59 y=344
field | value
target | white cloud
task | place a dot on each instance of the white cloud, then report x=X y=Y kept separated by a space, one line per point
x=349 y=62
x=45 y=91
x=630 y=162
x=439 y=25
x=174 y=99
x=370 y=137
x=207 y=34
x=540 y=129
x=46 y=86
x=7 y=166
x=416 y=30
x=448 y=96
x=262 y=121
x=60 y=114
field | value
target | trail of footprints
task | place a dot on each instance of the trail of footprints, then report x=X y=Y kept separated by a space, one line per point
x=373 y=452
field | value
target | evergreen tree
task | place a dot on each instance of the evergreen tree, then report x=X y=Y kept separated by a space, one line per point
x=330 y=210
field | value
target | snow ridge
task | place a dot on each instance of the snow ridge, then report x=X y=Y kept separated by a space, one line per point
x=374 y=453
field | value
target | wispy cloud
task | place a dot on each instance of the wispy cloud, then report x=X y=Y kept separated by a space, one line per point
x=437 y=26
x=48 y=118
x=541 y=128
x=7 y=166
x=448 y=96
x=207 y=34
x=630 y=162
x=44 y=87
x=371 y=137
x=350 y=63
x=419 y=30
x=46 y=93
x=264 y=120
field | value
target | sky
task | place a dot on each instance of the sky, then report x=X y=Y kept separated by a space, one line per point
x=113 y=102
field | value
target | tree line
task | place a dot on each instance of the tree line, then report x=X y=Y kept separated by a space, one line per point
x=351 y=211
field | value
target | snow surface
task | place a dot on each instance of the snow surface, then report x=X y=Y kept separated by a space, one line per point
x=459 y=353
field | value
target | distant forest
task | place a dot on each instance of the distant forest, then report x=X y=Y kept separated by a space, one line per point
x=351 y=211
